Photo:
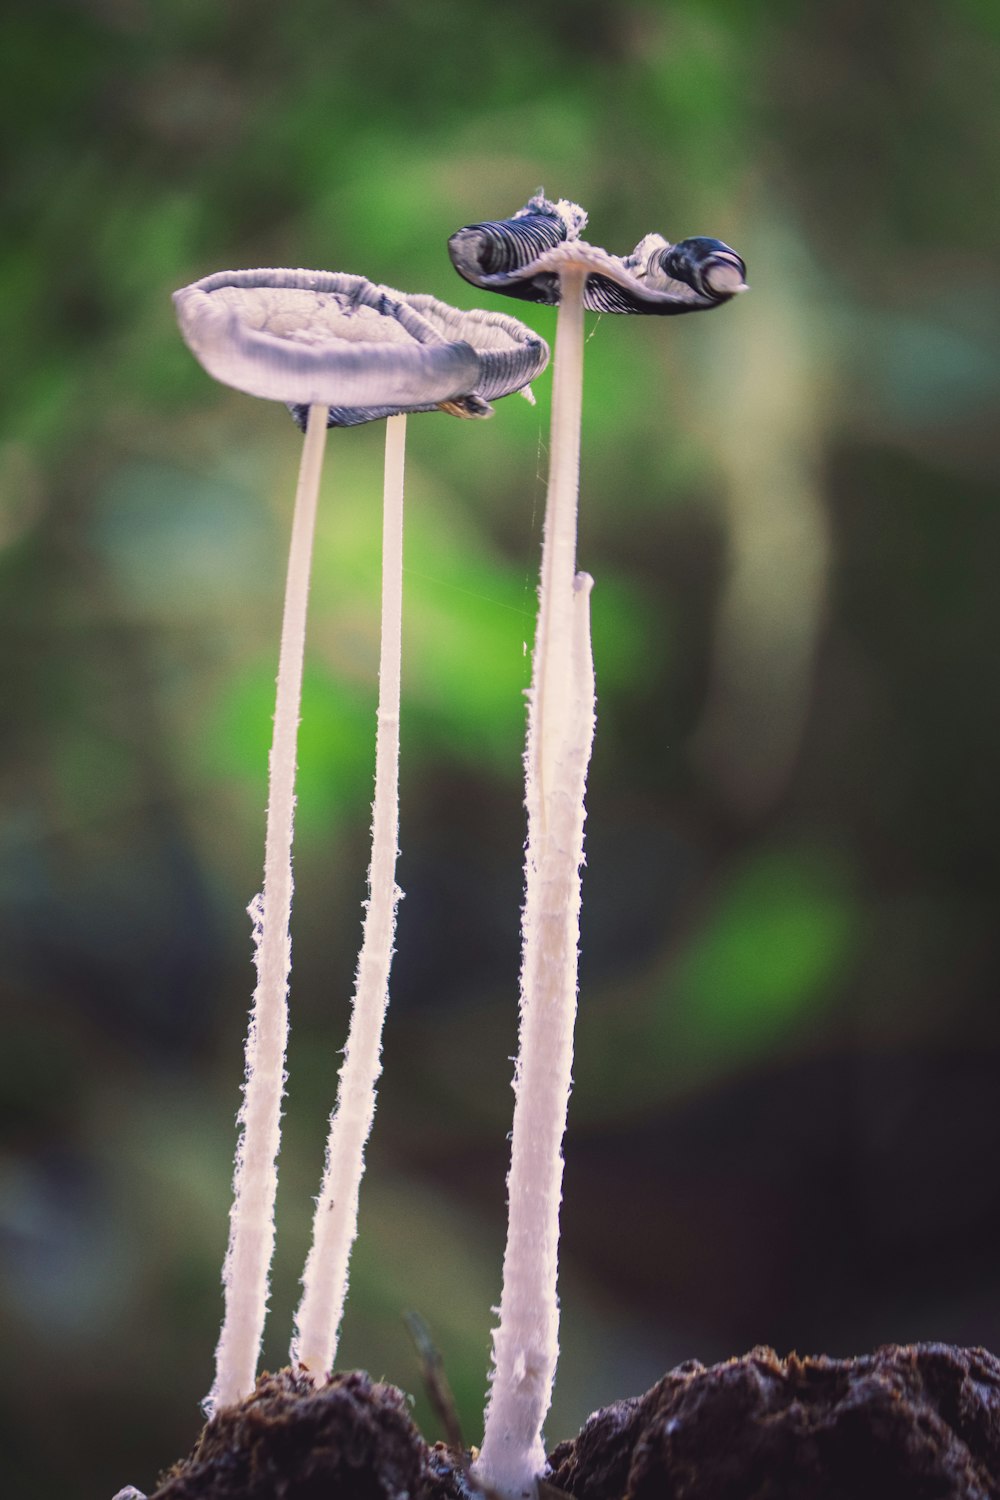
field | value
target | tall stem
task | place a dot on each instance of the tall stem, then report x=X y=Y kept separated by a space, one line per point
x=550 y=679
x=560 y=735
x=335 y=1226
x=251 y=1220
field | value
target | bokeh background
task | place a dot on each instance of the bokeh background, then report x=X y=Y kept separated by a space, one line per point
x=784 y=1126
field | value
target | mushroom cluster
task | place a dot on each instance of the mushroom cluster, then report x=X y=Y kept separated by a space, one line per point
x=338 y=351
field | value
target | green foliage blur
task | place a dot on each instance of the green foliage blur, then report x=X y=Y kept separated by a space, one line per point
x=783 y=1127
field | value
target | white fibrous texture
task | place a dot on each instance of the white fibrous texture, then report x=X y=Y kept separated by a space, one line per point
x=557 y=755
x=251 y=1219
x=324 y=1282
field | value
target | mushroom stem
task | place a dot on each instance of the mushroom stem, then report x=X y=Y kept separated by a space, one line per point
x=251 y=1219
x=560 y=735
x=551 y=683
x=324 y=1281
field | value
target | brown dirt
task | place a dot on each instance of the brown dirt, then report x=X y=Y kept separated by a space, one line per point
x=920 y=1422
x=351 y=1440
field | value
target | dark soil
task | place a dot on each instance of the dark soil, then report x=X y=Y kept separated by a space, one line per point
x=351 y=1440
x=920 y=1422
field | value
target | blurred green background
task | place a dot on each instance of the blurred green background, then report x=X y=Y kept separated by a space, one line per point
x=784 y=1125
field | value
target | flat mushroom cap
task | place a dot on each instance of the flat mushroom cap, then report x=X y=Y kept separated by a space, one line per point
x=524 y=257
x=364 y=351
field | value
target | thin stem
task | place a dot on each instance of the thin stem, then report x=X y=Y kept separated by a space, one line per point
x=560 y=735
x=335 y=1225
x=251 y=1219
x=550 y=685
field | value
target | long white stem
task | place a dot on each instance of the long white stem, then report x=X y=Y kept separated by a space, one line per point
x=560 y=735
x=550 y=679
x=251 y=1219
x=335 y=1225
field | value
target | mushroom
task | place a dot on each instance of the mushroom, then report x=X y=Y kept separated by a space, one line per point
x=339 y=351
x=538 y=256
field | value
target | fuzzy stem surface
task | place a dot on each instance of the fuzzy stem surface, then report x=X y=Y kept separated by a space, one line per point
x=251 y=1220
x=335 y=1224
x=557 y=755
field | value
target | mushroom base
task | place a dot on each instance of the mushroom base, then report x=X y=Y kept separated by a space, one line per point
x=917 y=1421
x=351 y=1439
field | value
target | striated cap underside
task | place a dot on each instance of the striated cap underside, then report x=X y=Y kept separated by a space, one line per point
x=526 y=256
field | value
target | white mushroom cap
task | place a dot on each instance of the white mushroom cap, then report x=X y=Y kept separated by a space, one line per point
x=306 y=337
